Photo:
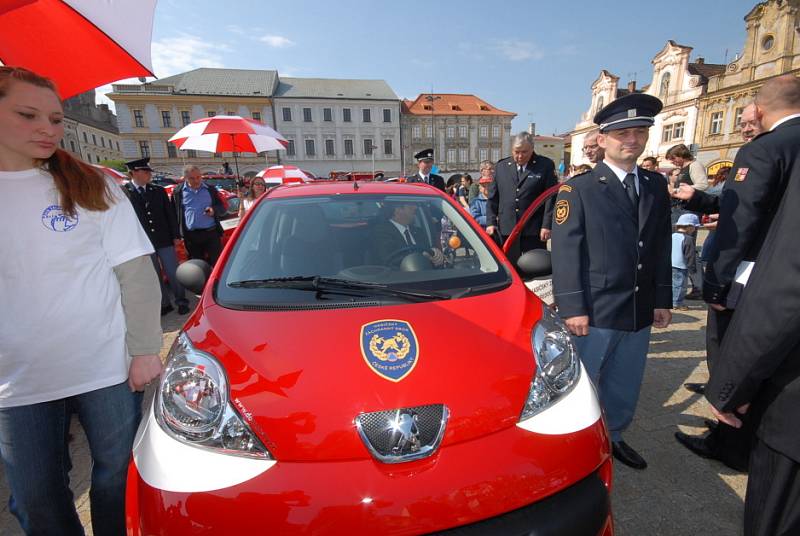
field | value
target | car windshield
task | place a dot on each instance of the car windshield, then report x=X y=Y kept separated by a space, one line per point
x=353 y=247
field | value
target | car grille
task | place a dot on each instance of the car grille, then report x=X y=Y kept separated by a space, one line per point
x=403 y=434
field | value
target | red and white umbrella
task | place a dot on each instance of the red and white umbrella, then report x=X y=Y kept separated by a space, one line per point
x=283 y=175
x=228 y=133
x=79 y=44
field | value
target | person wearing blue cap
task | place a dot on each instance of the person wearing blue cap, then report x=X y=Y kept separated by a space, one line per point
x=611 y=262
x=684 y=256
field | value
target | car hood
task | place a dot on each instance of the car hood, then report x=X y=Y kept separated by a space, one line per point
x=300 y=378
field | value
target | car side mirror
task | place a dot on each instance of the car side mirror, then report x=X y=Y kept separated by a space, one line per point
x=534 y=264
x=193 y=275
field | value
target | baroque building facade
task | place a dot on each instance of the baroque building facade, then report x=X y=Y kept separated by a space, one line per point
x=90 y=130
x=463 y=130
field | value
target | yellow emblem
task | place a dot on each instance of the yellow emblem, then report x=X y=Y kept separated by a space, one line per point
x=565 y=188
x=741 y=173
x=390 y=348
x=562 y=211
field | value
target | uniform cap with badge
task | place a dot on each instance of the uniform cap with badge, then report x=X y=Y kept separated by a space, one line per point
x=139 y=165
x=425 y=154
x=634 y=110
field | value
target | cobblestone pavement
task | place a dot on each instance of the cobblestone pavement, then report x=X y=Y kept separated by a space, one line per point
x=677 y=494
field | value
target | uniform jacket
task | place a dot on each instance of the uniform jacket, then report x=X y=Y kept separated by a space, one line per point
x=761 y=348
x=216 y=202
x=608 y=262
x=435 y=180
x=748 y=203
x=509 y=196
x=155 y=213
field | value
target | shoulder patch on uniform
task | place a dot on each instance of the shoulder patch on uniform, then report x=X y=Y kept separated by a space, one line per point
x=565 y=188
x=741 y=173
x=562 y=211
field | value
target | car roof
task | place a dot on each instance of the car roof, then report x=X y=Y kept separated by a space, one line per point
x=325 y=188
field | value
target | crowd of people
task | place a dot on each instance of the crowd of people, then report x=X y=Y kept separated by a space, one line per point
x=623 y=242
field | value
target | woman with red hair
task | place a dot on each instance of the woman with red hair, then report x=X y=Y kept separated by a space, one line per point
x=79 y=323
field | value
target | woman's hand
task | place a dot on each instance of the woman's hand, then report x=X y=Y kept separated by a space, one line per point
x=143 y=370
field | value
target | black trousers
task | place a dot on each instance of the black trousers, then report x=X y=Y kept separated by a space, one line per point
x=204 y=244
x=772 y=503
x=732 y=445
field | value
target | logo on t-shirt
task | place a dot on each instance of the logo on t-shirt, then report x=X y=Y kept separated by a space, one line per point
x=54 y=219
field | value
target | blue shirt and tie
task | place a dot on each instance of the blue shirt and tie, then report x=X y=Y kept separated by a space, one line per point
x=194 y=204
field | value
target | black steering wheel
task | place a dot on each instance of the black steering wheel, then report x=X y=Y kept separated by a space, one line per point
x=396 y=256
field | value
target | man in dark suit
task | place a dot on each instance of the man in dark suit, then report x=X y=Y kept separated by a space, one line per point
x=425 y=166
x=518 y=181
x=611 y=262
x=153 y=208
x=397 y=236
x=746 y=207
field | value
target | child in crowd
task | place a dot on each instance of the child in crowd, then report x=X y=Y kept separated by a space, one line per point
x=683 y=257
x=478 y=206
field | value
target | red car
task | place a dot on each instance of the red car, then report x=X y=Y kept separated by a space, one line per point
x=365 y=360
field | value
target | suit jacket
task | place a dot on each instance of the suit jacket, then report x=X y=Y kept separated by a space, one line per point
x=510 y=195
x=748 y=203
x=387 y=239
x=155 y=213
x=435 y=180
x=609 y=262
x=216 y=203
x=761 y=349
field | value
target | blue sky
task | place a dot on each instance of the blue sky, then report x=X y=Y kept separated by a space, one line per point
x=535 y=58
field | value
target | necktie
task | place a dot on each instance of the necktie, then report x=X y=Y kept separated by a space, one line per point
x=630 y=189
x=141 y=190
x=409 y=240
x=425 y=180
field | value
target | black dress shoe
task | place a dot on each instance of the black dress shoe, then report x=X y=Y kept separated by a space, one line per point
x=697 y=388
x=183 y=309
x=699 y=445
x=624 y=453
x=711 y=424
x=166 y=309
x=694 y=295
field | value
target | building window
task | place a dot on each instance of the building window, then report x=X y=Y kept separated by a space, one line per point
x=367 y=146
x=451 y=132
x=72 y=146
x=290 y=147
x=348 y=147
x=387 y=147
x=144 y=149
x=172 y=152
x=310 y=149
x=462 y=155
x=716 y=123
x=61 y=143
x=346 y=117
x=462 y=131
x=138 y=119
x=666 y=134
x=186 y=118
x=330 y=148
x=327 y=114
x=737 y=119
x=484 y=154
x=767 y=42
x=229 y=112
x=94 y=139
x=415 y=131
x=428 y=131
x=85 y=138
x=103 y=142
x=677 y=131
x=366 y=114
x=287 y=114
x=387 y=115
x=166 y=119
x=307 y=115
x=496 y=131
x=495 y=154
x=483 y=132
x=256 y=116
x=191 y=153
x=600 y=103
x=117 y=146
x=451 y=156
x=664 y=91
x=212 y=114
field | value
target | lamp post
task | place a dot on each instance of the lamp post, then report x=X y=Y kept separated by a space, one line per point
x=372 y=148
x=431 y=98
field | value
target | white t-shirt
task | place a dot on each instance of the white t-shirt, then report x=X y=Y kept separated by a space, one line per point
x=62 y=328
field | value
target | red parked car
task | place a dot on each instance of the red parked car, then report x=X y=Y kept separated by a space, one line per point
x=342 y=375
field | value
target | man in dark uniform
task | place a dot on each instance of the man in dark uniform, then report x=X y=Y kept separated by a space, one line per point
x=749 y=200
x=154 y=210
x=518 y=181
x=611 y=262
x=425 y=166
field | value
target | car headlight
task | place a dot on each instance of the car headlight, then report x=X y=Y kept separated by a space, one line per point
x=192 y=404
x=557 y=366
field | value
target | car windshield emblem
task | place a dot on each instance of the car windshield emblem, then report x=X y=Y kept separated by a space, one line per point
x=404 y=434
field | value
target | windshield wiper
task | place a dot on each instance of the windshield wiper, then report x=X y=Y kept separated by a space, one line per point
x=331 y=284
